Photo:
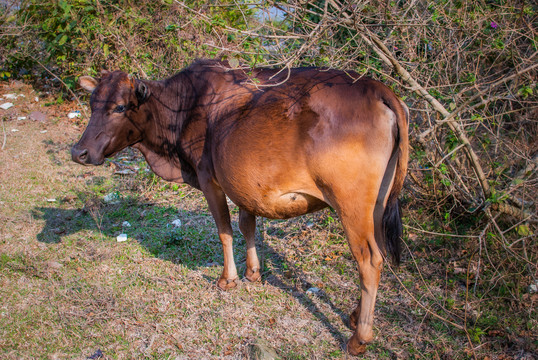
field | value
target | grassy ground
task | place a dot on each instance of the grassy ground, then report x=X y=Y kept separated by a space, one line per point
x=68 y=289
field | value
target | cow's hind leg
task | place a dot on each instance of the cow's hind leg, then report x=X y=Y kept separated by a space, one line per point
x=357 y=204
x=247 y=225
x=359 y=228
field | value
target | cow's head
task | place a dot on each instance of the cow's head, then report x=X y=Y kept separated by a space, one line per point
x=115 y=102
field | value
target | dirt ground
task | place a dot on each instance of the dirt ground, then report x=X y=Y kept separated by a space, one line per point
x=69 y=289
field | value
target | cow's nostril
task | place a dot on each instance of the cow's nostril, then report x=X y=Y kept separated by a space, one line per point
x=83 y=154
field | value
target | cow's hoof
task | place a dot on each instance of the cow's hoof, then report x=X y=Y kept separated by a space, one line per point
x=253 y=275
x=355 y=347
x=227 y=284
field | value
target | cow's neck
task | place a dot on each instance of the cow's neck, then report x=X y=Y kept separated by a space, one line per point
x=174 y=130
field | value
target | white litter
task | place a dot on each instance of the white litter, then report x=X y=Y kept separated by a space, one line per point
x=14 y=130
x=121 y=237
x=43 y=131
x=51 y=200
x=36 y=99
x=73 y=114
x=13 y=96
x=6 y=106
x=313 y=290
x=125 y=224
x=21 y=118
x=176 y=223
x=533 y=288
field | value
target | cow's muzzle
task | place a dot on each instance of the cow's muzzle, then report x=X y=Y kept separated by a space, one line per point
x=79 y=155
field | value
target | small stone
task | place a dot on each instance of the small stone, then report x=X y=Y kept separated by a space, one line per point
x=112 y=198
x=37 y=116
x=96 y=355
x=261 y=351
x=54 y=264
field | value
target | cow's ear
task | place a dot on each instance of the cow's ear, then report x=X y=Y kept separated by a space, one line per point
x=142 y=92
x=88 y=83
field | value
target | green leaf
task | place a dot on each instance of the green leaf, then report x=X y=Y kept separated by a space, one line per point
x=523 y=230
x=233 y=62
x=63 y=39
x=105 y=50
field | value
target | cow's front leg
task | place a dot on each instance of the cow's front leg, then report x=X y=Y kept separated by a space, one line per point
x=216 y=200
x=247 y=225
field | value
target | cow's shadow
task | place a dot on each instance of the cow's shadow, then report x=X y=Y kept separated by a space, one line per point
x=194 y=244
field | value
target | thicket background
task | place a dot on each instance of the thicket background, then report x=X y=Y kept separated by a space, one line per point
x=466 y=69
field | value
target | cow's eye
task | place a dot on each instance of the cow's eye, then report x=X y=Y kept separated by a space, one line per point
x=120 y=109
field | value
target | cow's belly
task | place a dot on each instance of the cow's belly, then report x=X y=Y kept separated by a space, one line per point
x=277 y=204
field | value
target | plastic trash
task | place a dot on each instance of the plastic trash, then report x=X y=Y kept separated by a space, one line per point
x=6 y=106
x=313 y=290
x=21 y=118
x=73 y=114
x=121 y=237
x=126 y=224
x=176 y=223
x=13 y=96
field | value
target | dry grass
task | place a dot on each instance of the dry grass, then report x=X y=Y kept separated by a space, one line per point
x=68 y=288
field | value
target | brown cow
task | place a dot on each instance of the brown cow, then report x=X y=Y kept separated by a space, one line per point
x=278 y=144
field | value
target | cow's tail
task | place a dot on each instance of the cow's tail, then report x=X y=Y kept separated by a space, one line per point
x=391 y=222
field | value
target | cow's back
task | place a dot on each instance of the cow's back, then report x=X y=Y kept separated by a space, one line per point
x=271 y=145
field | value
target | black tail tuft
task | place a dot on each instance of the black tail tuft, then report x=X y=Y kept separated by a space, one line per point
x=393 y=229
